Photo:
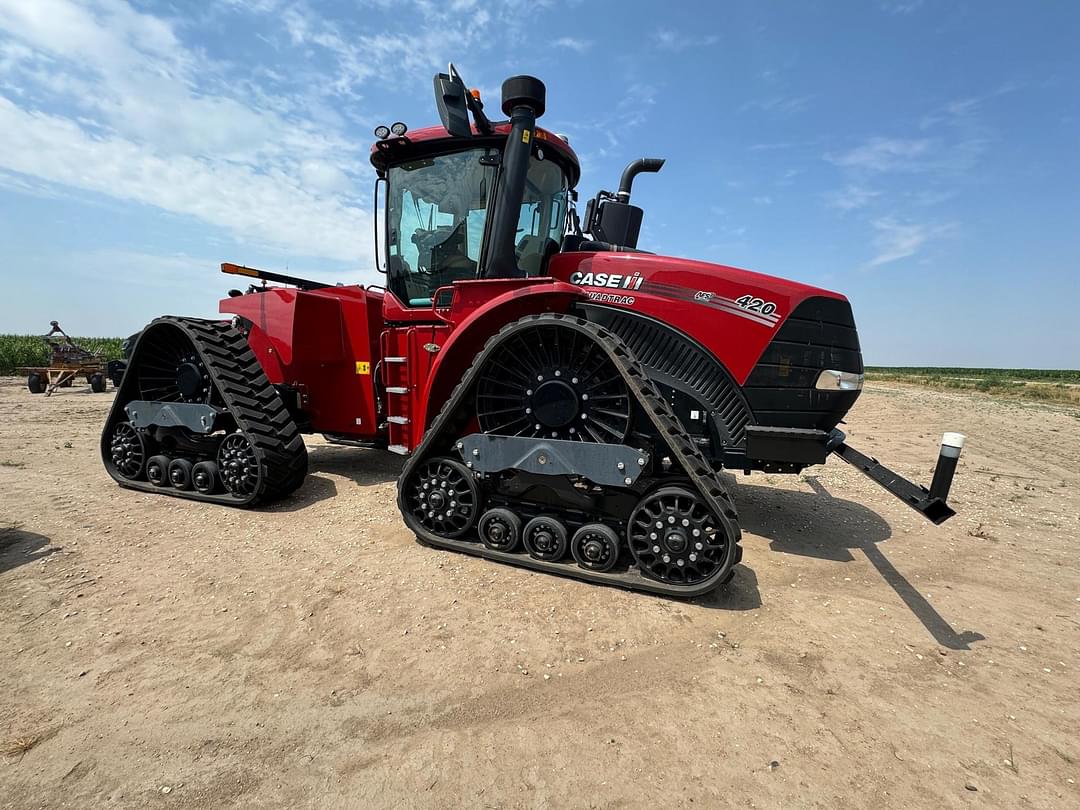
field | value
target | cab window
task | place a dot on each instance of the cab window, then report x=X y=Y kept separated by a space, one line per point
x=542 y=220
x=436 y=211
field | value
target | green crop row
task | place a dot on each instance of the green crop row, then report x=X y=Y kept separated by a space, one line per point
x=1062 y=387
x=997 y=375
x=17 y=351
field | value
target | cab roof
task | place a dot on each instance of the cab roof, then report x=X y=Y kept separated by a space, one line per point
x=434 y=140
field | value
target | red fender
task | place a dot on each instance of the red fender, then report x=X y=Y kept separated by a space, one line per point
x=473 y=331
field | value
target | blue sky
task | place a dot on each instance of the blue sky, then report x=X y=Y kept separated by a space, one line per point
x=921 y=157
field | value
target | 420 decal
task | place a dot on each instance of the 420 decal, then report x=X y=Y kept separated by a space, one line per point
x=748 y=302
x=753 y=304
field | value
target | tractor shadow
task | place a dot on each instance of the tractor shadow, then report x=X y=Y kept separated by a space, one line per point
x=18 y=547
x=817 y=524
x=740 y=594
x=362 y=466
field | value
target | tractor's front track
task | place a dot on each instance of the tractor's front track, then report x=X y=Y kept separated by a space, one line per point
x=669 y=526
x=195 y=417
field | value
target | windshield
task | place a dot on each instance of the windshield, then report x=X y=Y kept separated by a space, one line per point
x=437 y=213
x=542 y=221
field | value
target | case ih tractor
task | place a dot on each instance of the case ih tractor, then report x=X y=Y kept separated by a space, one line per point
x=565 y=400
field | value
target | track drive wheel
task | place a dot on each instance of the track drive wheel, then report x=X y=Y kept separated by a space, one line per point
x=595 y=547
x=545 y=538
x=549 y=381
x=442 y=496
x=500 y=530
x=128 y=451
x=675 y=538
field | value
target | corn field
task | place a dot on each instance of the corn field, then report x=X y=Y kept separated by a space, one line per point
x=30 y=350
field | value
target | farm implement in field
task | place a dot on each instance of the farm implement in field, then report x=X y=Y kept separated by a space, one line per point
x=67 y=362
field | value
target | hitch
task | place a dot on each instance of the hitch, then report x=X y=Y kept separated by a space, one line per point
x=930 y=503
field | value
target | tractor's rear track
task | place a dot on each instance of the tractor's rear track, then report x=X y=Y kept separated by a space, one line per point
x=688 y=464
x=243 y=389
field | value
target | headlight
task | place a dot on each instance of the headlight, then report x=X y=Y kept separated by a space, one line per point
x=830 y=380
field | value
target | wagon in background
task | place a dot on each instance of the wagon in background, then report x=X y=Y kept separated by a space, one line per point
x=68 y=361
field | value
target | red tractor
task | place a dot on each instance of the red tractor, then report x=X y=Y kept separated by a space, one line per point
x=565 y=400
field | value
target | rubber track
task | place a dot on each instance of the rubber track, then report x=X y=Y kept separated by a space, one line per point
x=444 y=431
x=253 y=402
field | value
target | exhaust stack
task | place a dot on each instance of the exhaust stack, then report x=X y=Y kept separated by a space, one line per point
x=633 y=170
x=523 y=99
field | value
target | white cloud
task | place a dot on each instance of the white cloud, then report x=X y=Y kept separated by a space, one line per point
x=666 y=39
x=778 y=105
x=902 y=7
x=952 y=152
x=573 y=44
x=148 y=120
x=886 y=154
x=898 y=240
x=851 y=198
x=268 y=207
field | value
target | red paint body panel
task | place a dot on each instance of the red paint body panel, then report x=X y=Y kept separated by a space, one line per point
x=313 y=341
x=480 y=309
x=667 y=293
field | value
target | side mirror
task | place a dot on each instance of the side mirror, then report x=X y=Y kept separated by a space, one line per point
x=453 y=108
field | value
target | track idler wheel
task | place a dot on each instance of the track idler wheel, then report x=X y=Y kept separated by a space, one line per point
x=545 y=538
x=239 y=466
x=180 y=473
x=157 y=470
x=443 y=497
x=675 y=538
x=500 y=530
x=204 y=477
x=595 y=547
x=128 y=451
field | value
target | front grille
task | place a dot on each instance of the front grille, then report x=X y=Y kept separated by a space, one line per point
x=820 y=334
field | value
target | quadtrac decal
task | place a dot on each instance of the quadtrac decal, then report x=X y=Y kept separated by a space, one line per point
x=612 y=281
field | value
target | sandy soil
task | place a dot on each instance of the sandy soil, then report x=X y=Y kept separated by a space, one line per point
x=165 y=653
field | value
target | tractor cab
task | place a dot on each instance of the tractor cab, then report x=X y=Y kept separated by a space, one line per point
x=469 y=201
x=437 y=220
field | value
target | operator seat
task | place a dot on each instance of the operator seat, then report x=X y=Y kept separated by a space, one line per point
x=533 y=253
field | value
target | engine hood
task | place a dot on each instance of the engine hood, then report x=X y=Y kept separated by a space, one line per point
x=735 y=313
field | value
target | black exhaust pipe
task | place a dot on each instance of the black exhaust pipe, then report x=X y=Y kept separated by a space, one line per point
x=633 y=170
x=523 y=99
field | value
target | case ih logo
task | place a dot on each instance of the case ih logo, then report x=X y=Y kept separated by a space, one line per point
x=701 y=295
x=616 y=280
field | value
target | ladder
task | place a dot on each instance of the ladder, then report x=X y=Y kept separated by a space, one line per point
x=398 y=383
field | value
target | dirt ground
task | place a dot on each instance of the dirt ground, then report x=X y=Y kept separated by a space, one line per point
x=160 y=653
